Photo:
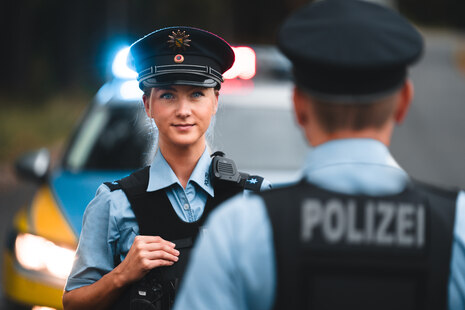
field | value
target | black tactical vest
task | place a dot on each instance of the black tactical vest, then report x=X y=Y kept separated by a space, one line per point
x=336 y=251
x=156 y=216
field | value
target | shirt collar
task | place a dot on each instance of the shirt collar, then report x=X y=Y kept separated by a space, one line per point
x=201 y=173
x=161 y=175
x=349 y=151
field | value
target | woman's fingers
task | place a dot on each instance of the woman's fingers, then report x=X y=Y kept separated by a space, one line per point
x=161 y=254
x=153 y=244
x=146 y=253
x=152 y=239
x=152 y=247
x=147 y=250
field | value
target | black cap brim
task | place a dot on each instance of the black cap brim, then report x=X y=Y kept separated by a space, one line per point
x=179 y=79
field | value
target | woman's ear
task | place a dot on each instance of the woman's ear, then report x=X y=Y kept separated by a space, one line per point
x=217 y=95
x=146 y=100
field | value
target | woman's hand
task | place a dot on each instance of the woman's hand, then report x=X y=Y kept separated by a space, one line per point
x=146 y=253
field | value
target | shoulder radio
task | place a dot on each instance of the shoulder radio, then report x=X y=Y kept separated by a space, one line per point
x=223 y=172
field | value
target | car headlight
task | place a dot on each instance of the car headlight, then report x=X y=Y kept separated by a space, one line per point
x=39 y=254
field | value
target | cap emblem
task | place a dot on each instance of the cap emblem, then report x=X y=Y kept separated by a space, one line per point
x=179 y=40
x=178 y=58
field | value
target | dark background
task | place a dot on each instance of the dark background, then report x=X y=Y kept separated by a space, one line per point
x=67 y=44
x=50 y=45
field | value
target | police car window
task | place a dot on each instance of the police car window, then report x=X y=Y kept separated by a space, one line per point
x=111 y=137
x=260 y=139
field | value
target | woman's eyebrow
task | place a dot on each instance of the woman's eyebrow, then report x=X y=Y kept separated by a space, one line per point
x=168 y=87
x=198 y=87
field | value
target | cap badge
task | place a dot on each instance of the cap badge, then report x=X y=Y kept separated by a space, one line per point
x=179 y=40
x=178 y=58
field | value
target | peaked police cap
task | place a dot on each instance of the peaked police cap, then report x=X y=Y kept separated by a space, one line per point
x=180 y=56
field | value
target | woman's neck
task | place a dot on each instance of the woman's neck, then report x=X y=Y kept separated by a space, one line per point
x=182 y=160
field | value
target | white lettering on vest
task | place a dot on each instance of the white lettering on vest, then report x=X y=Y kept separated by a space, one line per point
x=370 y=222
x=405 y=224
x=420 y=226
x=311 y=213
x=334 y=221
x=380 y=223
x=386 y=210
x=353 y=236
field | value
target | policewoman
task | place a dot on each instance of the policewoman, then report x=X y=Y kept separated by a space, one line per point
x=137 y=232
x=356 y=232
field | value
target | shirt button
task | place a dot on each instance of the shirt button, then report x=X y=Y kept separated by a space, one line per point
x=186 y=206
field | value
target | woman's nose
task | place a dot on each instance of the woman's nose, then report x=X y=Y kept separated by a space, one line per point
x=184 y=108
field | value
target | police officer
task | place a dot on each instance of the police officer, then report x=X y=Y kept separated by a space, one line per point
x=137 y=232
x=356 y=232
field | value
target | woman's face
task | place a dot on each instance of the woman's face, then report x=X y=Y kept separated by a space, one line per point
x=182 y=114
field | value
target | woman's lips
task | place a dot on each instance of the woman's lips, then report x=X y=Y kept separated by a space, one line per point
x=183 y=126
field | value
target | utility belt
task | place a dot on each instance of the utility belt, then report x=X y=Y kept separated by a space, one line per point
x=156 y=217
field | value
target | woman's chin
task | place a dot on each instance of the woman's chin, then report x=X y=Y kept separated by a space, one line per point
x=188 y=144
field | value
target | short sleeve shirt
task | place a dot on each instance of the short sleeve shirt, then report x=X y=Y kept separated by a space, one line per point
x=109 y=224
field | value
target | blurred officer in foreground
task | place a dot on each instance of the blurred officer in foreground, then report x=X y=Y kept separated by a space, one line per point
x=137 y=232
x=356 y=232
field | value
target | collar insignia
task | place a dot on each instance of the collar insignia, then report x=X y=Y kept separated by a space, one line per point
x=179 y=40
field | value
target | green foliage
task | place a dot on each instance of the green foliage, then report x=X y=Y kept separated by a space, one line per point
x=27 y=126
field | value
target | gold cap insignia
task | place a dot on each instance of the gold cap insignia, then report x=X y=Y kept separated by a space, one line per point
x=179 y=40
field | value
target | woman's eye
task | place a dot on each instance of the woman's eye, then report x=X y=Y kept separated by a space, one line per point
x=197 y=94
x=166 y=96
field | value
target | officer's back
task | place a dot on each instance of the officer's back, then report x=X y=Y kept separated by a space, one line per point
x=356 y=232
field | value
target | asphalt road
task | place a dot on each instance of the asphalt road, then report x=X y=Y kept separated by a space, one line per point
x=429 y=145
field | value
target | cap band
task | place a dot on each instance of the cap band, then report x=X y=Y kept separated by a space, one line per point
x=152 y=82
x=350 y=98
x=155 y=71
x=332 y=82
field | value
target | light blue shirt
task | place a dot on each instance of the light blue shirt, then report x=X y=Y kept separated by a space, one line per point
x=233 y=264
x=109 y=224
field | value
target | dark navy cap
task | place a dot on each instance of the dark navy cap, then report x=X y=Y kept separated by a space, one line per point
x=349 y=50
x=180 y=56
